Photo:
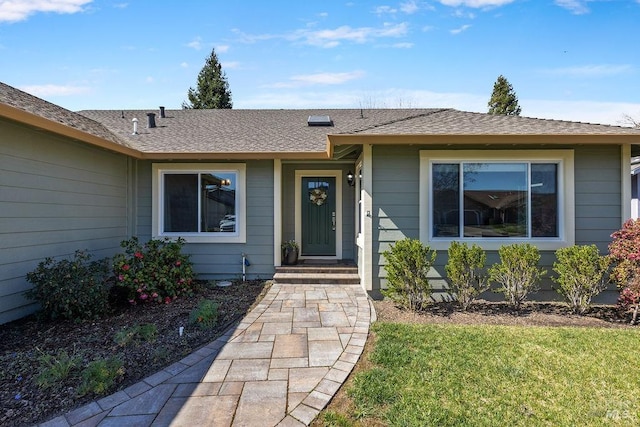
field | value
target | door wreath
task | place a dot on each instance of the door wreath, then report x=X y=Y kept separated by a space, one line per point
x=317 y=196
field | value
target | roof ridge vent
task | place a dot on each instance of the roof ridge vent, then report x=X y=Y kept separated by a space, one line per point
x=318 y=120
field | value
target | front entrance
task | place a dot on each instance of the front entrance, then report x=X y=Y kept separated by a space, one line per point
x=318 y=218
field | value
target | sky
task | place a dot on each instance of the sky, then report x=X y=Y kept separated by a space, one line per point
x=575 y=60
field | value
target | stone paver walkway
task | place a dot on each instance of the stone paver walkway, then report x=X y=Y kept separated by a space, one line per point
x=279 y=366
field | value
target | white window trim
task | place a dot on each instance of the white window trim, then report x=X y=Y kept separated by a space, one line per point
x=240 y=236
x=566 y=202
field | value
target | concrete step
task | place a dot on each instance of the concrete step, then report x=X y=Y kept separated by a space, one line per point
x=322 y=275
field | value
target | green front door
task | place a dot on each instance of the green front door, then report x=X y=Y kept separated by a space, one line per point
x=318 y=216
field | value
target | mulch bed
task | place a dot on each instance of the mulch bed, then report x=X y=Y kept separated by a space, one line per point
x=23 y=342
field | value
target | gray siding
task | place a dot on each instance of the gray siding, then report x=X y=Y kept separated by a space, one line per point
x=598 y=194
x=56 y=196
x=396 y=197
x=224 y=260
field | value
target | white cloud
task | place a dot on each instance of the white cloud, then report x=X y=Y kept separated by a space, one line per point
x=184 y=65
x=382 y=10
x=460 y=30
x=577 y=7
x=602 y=70
x=318 y=79
x=44 y=91
x=406 y=45
x=223 y=48
x=328 y=38
x=196 y=43
x=475 y=3
x=409 y=7
x=19 y=10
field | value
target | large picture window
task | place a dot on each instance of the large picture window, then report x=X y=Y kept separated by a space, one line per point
x=200 y=204
x=494 y=199
x=507 y=197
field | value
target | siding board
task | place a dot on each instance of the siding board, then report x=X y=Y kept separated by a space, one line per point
x=56 y=196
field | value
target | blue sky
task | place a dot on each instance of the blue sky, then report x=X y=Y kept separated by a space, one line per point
x=566 y=59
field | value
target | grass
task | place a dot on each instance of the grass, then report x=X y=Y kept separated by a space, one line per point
x=452 y=375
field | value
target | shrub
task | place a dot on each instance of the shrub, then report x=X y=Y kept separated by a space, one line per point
x=205 y=315
x=464 y=269
x=100 y=376
x=517 y=272
x=71 y=288
x=581 y=275
x=146 y=332
x=157 y=271
x=408 y=264
x=624 y=252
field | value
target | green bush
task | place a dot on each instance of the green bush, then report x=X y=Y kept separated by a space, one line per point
x=581 y=275
x=205 y=315
x=517 y=272
x=157 y=271
x=71 y=288
x=147 y=332
x=408 y=265
x=465 y=271
x=100 y=376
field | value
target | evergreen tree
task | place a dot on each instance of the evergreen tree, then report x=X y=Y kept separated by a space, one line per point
x=212 y=90
x=503 y=99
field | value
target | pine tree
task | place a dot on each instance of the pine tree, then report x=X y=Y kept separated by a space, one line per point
x=212 y=90
x=503 y=99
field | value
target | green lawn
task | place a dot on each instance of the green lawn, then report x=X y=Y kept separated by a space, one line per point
x=443 y=375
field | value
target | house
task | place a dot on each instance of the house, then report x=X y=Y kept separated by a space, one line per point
x=635 y=187
x=344 y=183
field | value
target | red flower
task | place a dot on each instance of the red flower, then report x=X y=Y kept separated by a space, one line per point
x=167 y=300
x=178 y=263
x=126 y=267
x=138 y=255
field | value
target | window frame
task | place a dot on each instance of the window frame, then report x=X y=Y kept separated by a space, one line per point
x=564 y=158
x=160 y=169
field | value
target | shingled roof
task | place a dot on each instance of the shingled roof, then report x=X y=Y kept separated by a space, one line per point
x=16 y=104
x=284 y=133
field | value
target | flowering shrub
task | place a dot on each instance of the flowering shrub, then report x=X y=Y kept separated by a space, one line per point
x=71 y=288
x=624 y=252
x=157 y=271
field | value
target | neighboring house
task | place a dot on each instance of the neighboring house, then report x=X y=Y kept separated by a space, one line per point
x=235 y=182
x=635 y=187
